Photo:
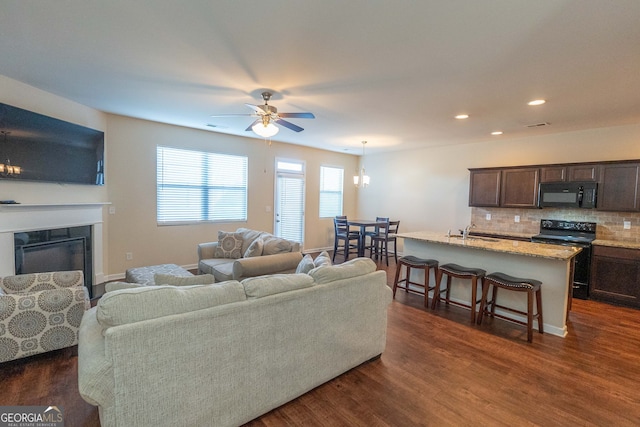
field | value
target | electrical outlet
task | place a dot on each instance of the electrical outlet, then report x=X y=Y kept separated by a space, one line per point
x=516 y=218
x=488 y=217
x=129 y=256
x=112 y=210
x=626 y=225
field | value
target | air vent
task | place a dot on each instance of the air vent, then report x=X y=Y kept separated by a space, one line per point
x=538 y=125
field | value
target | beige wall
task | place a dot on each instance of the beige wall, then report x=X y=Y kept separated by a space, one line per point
x=428 y=189
x=131 y=173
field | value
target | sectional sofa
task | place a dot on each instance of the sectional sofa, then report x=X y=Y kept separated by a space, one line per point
x=225 y=353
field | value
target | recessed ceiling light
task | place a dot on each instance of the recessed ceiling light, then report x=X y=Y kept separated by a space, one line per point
x=537 y=102
x=498 y=132
x=462 y=116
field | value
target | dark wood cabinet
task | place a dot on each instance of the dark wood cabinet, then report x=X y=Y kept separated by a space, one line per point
x=553 y=174
x=615 y=275
x=484 y=188
x=585 y=172
x=618 y=188
x=519 y=188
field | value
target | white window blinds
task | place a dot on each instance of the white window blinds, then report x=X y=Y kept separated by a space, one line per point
x=195 y=186
x=331 y=188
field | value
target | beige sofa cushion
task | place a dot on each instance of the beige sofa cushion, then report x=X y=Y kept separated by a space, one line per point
x=346 y=270
x=275 y=245
x=258 y=287
x=150 y=302
x=116 y=286
x=170 y=279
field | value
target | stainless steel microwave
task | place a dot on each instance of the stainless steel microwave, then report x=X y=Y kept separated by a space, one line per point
x=581 y=195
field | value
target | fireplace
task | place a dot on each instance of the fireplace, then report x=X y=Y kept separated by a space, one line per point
x=60 y=249
x=35 y=236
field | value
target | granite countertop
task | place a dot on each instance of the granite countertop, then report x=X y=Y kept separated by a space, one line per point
x=616 y=243
x=540 y=250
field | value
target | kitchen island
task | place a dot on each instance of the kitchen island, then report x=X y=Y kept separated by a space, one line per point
x=551 y=264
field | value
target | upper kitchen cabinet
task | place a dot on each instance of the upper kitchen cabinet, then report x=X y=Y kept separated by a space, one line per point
x=520 y=188
x=484 y=187
x=587 y=172
x=618 y=188
x=553 y=174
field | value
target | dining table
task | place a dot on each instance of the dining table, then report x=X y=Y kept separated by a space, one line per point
x=362 y=225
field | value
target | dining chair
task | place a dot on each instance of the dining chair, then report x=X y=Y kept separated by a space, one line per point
x=376 y=237
x=380 y=242
x=343 y=234
x=374 y=232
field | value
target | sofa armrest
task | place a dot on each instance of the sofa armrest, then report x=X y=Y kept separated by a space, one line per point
x=266 y=264
x=207 y=250
x=32 y=282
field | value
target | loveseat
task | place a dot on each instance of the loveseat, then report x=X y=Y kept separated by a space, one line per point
x=226 y=353
x=40 y=312
x=247 y=253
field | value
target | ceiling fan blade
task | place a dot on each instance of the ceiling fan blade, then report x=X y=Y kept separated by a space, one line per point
x=298 y=115
x=252 y=124
x=233 y=115
x=289 y=125
x=257 y=108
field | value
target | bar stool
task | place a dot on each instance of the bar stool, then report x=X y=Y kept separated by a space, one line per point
x=530 y=286
x=410 y=262
x=459 y=272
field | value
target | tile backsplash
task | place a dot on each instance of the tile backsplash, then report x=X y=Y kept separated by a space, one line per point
x=610 y=224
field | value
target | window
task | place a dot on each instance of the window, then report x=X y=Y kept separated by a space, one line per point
x=289 y=200
x=195 y=186
x=331 y=183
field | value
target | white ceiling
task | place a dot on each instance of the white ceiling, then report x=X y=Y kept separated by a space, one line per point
x=393 y=73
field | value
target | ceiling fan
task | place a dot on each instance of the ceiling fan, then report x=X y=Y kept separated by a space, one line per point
x=267 y=115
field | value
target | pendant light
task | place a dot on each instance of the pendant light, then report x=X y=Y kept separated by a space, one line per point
x=361 y=179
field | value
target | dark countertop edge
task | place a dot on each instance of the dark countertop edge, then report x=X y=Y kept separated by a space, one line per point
x=616 y=244
x=503 y=235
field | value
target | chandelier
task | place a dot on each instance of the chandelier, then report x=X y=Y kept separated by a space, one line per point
x=6 y=168
x=361 y=179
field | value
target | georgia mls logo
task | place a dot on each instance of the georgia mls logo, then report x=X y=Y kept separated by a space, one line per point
x=31 y=416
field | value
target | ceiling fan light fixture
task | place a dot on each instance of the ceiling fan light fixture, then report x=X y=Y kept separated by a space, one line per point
x=265 y=131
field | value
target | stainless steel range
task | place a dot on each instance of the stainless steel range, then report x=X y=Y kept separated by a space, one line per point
x=571 y=233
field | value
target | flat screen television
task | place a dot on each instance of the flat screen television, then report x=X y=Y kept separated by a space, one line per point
x=34 y=147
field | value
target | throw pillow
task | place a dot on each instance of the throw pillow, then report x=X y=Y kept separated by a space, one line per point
x=306 y=265
x=169 y=279
x=255 y=249
x=275 y=245
x=322 y=260
x=229 y=245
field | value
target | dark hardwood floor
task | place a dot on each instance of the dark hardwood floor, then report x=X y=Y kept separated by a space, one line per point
x=437 y=370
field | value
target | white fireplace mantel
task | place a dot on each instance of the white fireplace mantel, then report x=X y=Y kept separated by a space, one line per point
x=16 y=218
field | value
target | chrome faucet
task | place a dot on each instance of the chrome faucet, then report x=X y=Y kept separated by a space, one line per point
x=465 y=233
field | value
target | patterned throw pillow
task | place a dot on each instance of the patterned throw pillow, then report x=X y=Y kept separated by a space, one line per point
x=255 y=249
x=229 y=245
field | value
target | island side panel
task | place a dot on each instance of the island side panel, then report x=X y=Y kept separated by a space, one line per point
x=554 y=274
